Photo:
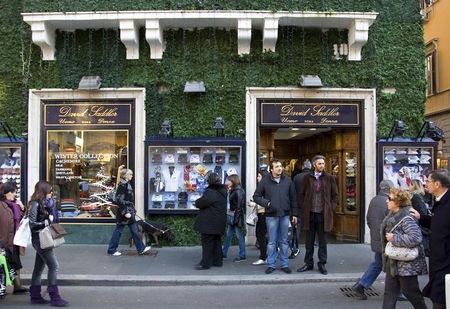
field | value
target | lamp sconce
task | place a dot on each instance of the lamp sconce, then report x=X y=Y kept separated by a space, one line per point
x=310 y=81
x=194 y=87
x=431 y=130
x=398 y=129
x=90 y=83
x=166 y=129
x=219 y=126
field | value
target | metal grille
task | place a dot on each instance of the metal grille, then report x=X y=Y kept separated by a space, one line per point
x=348 y=292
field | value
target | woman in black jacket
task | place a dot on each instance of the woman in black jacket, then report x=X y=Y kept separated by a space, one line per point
x=125 y=215
x=211 y=221
x=42 y=212
x=235 y=217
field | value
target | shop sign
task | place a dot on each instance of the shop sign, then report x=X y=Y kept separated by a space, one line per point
x=310 y=114
x=76 y=114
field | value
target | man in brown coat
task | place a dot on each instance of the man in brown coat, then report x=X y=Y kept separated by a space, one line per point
x=317 y=199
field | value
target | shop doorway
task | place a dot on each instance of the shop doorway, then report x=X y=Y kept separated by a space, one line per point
x=342 y=149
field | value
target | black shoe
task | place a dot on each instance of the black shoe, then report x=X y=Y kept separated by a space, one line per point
x=305 y=267
x=359 y=290
x=201 y=267
x=287 y=270
x=217 y=265
x=294 y=253
x=269 y=270
x=322 y=269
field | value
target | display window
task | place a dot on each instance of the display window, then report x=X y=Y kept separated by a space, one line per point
x=402 y=164
x=11 y=166
x=177 y=174
x=82 y=166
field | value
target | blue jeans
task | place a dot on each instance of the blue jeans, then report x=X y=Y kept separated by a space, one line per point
x=229 y=236
x=44 y=257
x=277 y=228
x=372 y=272
x=114 y=242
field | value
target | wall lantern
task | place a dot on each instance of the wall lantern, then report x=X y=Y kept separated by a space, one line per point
x=398 y=129
x=219 y=126
x=431 y=130
x=90 y=83
x=194 y=87
x=310 y=81
x=166 y=128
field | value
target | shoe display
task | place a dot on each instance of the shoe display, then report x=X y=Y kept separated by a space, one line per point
x=259 y=262
x=322 y=269
x=239 y=259
x=305 y=268
x=269 y=270
x=287 y=270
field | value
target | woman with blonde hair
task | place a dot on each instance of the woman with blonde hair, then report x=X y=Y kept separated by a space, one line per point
x=125 y=215
x=402 y=230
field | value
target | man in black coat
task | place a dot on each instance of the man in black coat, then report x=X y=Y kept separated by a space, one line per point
x=211 y=221
x=276 y=193
x=375 y=214
x=439 y=222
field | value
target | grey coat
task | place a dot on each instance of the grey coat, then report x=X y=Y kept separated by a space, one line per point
x=375 y=214
x=407 y=234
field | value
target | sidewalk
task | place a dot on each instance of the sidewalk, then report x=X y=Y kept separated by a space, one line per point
x=90 y=265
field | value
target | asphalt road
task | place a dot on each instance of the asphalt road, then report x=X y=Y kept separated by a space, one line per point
x=306 y=295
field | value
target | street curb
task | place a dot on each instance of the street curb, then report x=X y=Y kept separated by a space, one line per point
x=204 y=280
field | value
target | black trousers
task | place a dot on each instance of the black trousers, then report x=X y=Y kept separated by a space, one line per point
x=211 y=250
x=261 y=231
x=316 y=225
x=408 y=285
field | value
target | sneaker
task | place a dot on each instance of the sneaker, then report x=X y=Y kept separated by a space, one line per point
x=259 y=262
x=269 y=270
x=359 y=291
x=239 y=259
x=117 y=253
x=145 y=250
x=287 y=270
x=294 y=253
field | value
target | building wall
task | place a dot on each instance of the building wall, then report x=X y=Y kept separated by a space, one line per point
x=392 y=58
x=437 y=109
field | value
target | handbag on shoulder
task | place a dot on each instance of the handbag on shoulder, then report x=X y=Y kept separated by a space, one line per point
x=52 y=236
x=400 y=253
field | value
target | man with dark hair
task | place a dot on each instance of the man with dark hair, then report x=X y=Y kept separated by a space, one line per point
x=439 y=222
x=375 y=214
x=317 y=199
x=276 y=193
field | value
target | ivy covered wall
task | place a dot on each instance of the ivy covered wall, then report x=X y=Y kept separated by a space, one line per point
x=392 y=58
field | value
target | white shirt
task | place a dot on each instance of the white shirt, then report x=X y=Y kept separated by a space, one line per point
x=438 y=198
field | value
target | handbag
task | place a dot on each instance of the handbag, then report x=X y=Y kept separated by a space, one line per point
x=252 y=218
x=400 y=253
x=52 y=236
x=22 y=238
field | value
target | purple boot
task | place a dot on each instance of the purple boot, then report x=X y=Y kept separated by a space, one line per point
x=55 y=298
x=36 y=297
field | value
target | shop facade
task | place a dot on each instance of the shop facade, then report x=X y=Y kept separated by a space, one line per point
x=146 y=53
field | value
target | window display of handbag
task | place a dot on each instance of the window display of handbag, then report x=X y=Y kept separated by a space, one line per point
x=400 y=253
x=52 y=236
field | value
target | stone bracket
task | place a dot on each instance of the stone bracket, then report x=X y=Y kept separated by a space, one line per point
x=244 y=36
x=129 y=35
x=270 y=35
x=154 y=37
x=358 y=34
x=44 y=36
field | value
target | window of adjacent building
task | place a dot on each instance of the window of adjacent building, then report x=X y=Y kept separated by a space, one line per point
x=82 y=167
x=431 y=74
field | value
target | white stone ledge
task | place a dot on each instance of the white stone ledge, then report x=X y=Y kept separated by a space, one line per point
x=43 y=26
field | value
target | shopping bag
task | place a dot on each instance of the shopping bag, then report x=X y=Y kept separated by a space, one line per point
x=22 y=238
x=46 y=239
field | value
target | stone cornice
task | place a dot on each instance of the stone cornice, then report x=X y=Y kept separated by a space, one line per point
x=44 y=25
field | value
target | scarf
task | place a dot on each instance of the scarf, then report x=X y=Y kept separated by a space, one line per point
x=17 y=213
x=386 y=226
x=50 y=206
